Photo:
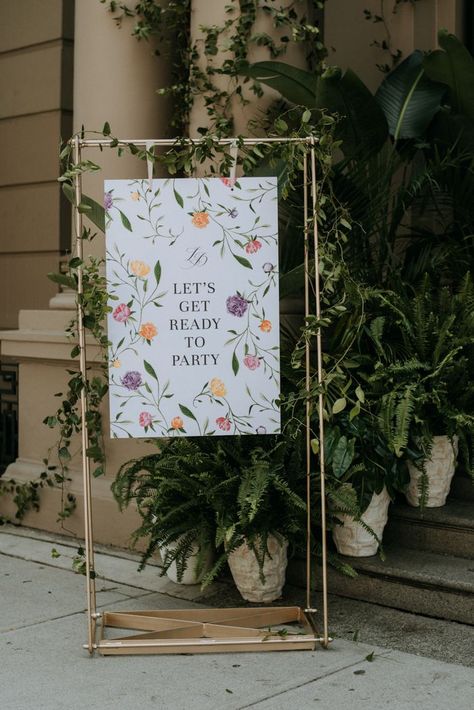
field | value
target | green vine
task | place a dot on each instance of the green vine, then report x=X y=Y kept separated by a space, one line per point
x=210 y=67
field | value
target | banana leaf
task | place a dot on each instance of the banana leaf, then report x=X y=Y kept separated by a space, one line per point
x=453 y=66
x=409 y=99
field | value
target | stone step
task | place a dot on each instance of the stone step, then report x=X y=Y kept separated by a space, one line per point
x=448 y=530
x=462 y=488
x=440 y=586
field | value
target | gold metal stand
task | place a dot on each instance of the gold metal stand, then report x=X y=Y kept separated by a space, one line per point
x=212 y=630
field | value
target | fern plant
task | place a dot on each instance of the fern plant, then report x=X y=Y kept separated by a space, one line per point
x=425 y=380
x=210 y=492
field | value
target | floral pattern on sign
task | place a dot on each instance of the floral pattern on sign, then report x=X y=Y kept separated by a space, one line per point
x=192 y=275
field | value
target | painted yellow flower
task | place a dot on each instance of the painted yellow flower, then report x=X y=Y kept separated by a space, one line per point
x=135 y=196
x=265 y=326
x=200 y=219
x=217 y=387
x=177 y=423
x=139 y=268
x=116 y=364
x=148 y=331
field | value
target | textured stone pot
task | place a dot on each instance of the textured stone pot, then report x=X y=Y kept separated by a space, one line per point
x=440 y=471
x=245 y=571
x=352 y=539
x=190 y=575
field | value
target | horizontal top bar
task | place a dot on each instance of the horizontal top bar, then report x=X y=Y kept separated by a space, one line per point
x=96 y=142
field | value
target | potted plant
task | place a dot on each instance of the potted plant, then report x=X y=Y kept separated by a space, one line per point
x=363 y=477
x=425 y=384
x=259 y=512
x=169 y=489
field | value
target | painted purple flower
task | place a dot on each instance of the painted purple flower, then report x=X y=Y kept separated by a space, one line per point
x=267 y=267
x=108 y=201
x=261 y=430
x=131 y=380
x=236 y=305
x=233 y=213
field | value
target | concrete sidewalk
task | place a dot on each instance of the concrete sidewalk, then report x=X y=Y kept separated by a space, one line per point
x=43 y=665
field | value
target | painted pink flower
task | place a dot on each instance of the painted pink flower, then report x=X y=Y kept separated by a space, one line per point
x=145 y=419
x=223 y=423
x=228 y=182
x=252 y=362
x=122 y=313
x=253 y=246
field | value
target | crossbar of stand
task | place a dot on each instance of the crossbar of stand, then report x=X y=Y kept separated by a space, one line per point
x=208 y=630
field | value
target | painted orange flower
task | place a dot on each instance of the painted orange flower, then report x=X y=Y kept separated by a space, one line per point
x=135 y=196
x=200 y=219
x=177 y=423
x=139 y=268
x=148 y=331
x=217 y=387
x=265 y=326
x=116 y=363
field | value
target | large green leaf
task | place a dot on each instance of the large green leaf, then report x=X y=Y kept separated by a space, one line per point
x=453 y=66
x=89 y=207
x=296 y=85
x=409 y=99
x=343 y=456
x=363 y=127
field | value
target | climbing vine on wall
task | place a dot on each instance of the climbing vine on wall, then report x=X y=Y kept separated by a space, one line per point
x=210 y=66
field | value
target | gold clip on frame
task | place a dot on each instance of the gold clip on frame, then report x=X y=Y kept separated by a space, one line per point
x=210 y=630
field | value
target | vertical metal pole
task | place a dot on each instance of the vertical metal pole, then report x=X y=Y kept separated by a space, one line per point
x=321 y=397
x=90 y=583
x=307 y=386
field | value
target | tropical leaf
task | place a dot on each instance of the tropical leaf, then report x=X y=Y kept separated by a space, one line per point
x=453 y=66
x=295 y=85
x=409 y=99
x=363 y=127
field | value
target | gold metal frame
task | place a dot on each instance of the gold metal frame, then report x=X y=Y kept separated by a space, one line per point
x=212 y=630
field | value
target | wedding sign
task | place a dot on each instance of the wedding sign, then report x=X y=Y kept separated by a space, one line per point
x=192 y=274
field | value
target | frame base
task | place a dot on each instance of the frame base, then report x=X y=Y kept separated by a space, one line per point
x=209 y=631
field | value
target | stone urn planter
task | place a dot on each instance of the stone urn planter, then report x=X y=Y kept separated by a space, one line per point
x=440 y=471
x=246 y=573
x=351 y=538
x=190 y=575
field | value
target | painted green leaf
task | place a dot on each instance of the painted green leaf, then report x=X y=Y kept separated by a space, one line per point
x=150 y=369
x=157 y=271
x=235 y=363
x=178 y=198
x=187 y=412
x=125 y=221
x=243 y=261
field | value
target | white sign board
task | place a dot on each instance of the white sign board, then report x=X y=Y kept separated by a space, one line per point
x=192 y=274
